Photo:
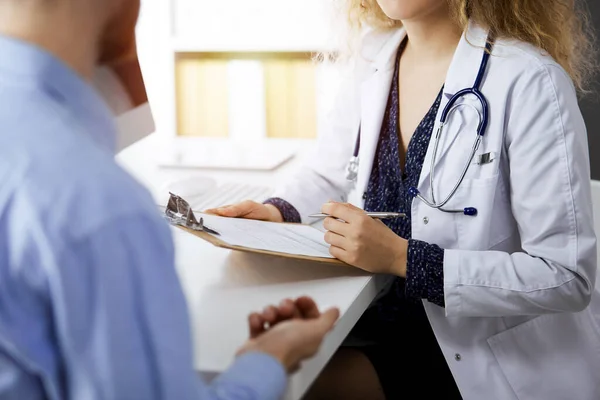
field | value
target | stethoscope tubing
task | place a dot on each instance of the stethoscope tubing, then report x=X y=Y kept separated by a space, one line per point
x=450 y=108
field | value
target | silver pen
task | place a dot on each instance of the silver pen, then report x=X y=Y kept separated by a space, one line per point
x=376 y=215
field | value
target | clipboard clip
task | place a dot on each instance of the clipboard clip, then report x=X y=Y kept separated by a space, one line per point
x=179 y=212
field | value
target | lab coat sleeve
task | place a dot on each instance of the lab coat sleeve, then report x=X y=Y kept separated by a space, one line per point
x=550 y=194
x=323 y=175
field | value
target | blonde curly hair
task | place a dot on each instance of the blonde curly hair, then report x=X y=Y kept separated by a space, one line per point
x=560 y=27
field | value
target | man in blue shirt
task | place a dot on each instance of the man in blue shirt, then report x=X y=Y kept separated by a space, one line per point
x=90 y=303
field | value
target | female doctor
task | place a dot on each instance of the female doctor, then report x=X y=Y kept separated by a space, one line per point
x=463 y=115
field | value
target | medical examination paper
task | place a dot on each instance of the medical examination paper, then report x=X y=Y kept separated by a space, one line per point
x=294 y=239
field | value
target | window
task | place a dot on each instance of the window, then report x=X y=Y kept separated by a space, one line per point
x=239 y=94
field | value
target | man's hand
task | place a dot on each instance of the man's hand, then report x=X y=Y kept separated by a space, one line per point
x=301 y=308
x=291 y=332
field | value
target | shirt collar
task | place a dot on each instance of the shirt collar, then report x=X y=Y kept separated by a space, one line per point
x=39 y=68
x=380 y=49
x=466 y=61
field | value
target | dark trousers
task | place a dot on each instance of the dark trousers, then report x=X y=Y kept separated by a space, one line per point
x=406 y=356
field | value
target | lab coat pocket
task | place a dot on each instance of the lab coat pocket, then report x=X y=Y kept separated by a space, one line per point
x=493 y=222
x=551 y=357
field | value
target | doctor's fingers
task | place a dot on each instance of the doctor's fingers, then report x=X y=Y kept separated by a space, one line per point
x=343 y=211
x=338 y=253
x=354 y=208
x=336 y=226
x=215 y=211
x=336 y=240
x=246 y=209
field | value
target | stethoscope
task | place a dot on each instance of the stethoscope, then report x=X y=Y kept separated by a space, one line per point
x=353 y=165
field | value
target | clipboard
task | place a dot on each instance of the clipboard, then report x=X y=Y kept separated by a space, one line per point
x=219 y=243
x=180 y=214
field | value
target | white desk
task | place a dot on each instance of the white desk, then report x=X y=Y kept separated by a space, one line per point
x=223 y=287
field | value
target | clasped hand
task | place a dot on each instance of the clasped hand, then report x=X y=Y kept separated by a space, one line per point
x=290 y=332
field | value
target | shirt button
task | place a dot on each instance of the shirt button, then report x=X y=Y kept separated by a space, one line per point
x=457 y=357
x=364 y=196
x=425 y=220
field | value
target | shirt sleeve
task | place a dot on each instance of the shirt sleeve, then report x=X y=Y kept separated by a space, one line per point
x=425 y=272
x=122 y=322
x=252 y=376
x=288 y=211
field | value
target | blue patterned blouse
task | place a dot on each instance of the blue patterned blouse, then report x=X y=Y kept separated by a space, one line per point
x=387 y=191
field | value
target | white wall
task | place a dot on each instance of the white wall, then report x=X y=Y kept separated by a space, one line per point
x=249 y=25
x=153 y=48
x=167 y=26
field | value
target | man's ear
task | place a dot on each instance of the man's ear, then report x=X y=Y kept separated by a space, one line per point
x=118 y=42
x=130 y=74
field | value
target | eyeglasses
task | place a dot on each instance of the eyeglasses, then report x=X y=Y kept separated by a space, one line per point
x=179 y=212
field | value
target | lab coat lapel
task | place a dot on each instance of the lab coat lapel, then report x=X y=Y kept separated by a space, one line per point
x=461 y=74
x=374 y=94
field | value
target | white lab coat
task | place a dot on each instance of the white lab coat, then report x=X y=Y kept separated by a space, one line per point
x=522 y=317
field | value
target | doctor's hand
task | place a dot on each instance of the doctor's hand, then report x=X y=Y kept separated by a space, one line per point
x=294 y=340
x=362 y=241
x=249 y=210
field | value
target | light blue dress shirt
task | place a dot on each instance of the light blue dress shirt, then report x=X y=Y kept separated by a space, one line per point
x=90 y=303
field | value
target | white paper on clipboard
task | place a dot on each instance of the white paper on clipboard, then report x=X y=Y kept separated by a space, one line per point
x=293 y=239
